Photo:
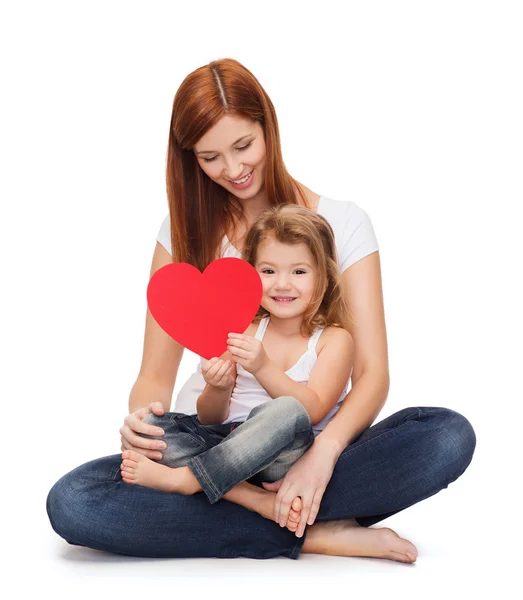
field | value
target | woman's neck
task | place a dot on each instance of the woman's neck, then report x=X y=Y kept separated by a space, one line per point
x=253 y=207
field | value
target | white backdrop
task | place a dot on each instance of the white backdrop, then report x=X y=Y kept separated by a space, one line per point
x=410 y=109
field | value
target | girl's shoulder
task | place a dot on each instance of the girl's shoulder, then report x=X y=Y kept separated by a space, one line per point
x=333 y=335
x=251 y=329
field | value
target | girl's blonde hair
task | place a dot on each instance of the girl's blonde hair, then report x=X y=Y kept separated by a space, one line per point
x=293 y=224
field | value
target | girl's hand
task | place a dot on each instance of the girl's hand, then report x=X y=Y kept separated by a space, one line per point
x=219 y=373
x=133 y=425
x=308 y=477
x=247 y=351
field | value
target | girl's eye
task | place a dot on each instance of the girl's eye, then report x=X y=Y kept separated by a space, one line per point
x=208 y=160
x=267 y=271
x=298 y=271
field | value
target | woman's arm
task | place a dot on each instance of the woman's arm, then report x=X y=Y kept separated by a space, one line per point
x=327 y=379
x=156 y=378
x=309 y=476
x=370 y=375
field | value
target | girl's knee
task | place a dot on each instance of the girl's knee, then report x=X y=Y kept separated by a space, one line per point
x=288 y=408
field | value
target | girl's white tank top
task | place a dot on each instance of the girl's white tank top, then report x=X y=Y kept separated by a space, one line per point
x=248 y=393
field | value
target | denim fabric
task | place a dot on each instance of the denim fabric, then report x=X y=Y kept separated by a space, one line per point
x=268 y=443
x=407 y=457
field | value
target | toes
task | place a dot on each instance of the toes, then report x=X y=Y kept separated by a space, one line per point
x=293 y=516
x=292 y=526
x=128 y=463
x=136 y=456
x=297 y=504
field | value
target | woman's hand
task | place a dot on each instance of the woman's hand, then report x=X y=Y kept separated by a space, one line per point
x=219 y=373
x=308 y=478
x=133 y=425
x=247 y=351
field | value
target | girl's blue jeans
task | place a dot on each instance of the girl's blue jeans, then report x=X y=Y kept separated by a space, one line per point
x=403 y=459
x=265 y=445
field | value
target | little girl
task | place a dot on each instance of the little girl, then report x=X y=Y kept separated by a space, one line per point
x=278 y=384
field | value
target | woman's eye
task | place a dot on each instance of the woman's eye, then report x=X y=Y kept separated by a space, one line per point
x=208 y=160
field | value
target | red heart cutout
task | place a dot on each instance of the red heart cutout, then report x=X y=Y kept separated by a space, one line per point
x=199 y=310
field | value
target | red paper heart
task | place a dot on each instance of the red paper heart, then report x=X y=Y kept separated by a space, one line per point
x=199 y=310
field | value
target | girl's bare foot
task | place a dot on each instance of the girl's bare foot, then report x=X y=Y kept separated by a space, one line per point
x=293 y=520
x=347 y=538
x=262 y=501
x=140 y=470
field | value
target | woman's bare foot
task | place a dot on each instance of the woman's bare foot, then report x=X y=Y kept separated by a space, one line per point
x=347 y=538
x=140 y=470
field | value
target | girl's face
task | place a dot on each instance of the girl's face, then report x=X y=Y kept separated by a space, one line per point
x=288 y=273
x=232 y=153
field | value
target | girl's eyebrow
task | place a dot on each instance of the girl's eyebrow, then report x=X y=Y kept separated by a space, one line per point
x=234 y=144
x=298 y=264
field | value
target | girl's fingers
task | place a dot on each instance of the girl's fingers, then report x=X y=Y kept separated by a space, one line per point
x=211 y=373
x=237 y=343
x=222 y=370
x=238 y=352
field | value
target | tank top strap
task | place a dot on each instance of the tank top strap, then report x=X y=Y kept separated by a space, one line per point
x=313 y=340
x=262 y=328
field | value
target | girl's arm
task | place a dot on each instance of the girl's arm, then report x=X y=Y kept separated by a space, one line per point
x=327 y=380
x=214 y=402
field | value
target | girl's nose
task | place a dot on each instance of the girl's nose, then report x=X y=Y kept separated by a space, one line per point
x=282 y=282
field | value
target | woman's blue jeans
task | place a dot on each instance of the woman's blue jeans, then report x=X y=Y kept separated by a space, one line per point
x=401 y=460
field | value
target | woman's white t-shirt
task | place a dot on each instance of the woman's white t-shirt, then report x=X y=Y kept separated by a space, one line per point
x=355 y=239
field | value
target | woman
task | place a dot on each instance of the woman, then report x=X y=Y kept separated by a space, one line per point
x=224 y=167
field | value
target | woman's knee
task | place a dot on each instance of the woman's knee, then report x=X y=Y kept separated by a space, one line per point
x=456 y=439
x=68 y=498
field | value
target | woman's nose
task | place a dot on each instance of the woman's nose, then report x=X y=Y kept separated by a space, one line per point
x=233 y=169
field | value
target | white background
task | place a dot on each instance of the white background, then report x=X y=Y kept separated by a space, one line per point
x=413 y=110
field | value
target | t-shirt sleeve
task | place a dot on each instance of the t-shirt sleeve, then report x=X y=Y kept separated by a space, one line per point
x=164 y=235
x=356 y=236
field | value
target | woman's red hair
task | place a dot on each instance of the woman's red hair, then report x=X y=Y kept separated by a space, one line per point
x=200 y=210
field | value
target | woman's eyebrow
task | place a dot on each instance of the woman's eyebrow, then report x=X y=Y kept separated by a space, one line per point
x=233 y=144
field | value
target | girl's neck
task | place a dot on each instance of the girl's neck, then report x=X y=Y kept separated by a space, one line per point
x=286 y=327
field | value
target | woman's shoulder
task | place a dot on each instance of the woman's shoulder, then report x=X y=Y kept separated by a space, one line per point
x=352 y=227
x=333 y=209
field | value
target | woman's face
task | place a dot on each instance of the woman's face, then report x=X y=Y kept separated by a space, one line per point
x=230 y=152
